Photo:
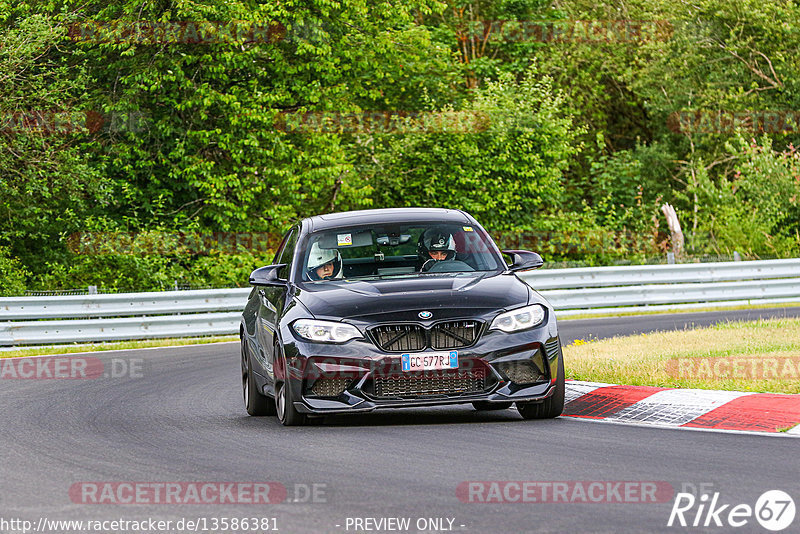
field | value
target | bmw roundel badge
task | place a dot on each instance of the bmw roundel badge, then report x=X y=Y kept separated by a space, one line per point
x=425 y=315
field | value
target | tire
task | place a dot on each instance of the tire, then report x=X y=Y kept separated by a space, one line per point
x=483 y=406
x=255 y=402
x=284 y=400
x=550 y=407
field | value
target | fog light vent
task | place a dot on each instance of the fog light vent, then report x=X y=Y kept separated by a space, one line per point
x=520 y=371
x=329 y=387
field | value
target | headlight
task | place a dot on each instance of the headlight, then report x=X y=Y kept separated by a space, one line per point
x=519 y=319
x=325 y=331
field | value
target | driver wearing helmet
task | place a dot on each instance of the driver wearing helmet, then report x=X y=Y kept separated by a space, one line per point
x=324 y=263
x=435 y=244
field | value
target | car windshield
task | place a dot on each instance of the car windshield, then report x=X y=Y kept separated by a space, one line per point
x=397 y=250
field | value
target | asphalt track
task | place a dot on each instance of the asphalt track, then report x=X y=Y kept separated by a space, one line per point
x=181 y=419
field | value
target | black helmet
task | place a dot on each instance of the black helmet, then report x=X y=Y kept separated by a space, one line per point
x=436 y=240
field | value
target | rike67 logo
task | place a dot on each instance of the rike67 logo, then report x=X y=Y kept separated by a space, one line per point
x=774 y=510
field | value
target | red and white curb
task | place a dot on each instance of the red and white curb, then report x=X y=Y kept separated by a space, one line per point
x=686 y=408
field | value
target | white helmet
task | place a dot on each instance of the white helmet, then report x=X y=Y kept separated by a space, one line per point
x=320 y=256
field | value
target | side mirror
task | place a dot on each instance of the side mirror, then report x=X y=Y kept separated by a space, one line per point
x=267 y=276
x=524 y=260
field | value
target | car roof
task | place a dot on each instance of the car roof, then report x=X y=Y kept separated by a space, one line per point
x=386 y=215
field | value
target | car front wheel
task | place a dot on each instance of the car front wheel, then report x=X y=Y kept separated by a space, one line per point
x=550 y=407
x=284 y=399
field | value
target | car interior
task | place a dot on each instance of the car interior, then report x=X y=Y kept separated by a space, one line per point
x=393 y=251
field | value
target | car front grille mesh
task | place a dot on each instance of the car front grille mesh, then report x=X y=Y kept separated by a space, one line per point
x=399 y=337
x=532 y=370
x=454 y=334
x=329 y=387
x=411 y=337
x=440 y=383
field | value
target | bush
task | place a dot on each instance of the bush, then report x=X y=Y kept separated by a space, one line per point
x=12 y=274
x=757 y=211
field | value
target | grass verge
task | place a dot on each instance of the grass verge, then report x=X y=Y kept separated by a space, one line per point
x=761 y=356
x=116 y=345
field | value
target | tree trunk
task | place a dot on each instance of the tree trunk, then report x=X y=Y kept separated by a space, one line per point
x=676 y=234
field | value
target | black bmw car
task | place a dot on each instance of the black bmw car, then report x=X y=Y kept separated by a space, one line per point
x=394 y=308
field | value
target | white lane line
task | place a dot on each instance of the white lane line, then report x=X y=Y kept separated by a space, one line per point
x=683 y=428
x=676 y=406
x=575 y=389
x=795 y=431
x=101 y=352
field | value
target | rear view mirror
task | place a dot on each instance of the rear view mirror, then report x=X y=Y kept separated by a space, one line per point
x=393 y=240
x=524 y=260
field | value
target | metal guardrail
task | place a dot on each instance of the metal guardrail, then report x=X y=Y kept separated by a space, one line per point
x=122 y=304
x=598 y=290
x=662 y=274
x=119 y=329
x=107 y=317
x=646 y=295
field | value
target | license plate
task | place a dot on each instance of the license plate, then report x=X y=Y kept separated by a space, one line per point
x=426 y=361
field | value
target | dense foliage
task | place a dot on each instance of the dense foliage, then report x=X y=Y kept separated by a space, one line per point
x=561 y=126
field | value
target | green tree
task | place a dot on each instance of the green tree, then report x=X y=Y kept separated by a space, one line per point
x=47 y=182
x=507 y=170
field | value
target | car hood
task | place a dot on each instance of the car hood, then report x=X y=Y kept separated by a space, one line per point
x=400 y=299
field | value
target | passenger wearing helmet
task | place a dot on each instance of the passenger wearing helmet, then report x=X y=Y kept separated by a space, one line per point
x=324 y=263
x=435 y=244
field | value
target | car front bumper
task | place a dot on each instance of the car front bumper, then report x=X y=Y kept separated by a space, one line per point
x=360 y=361
x=350 y=402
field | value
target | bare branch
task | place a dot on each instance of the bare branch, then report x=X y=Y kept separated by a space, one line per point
x=774 y=83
